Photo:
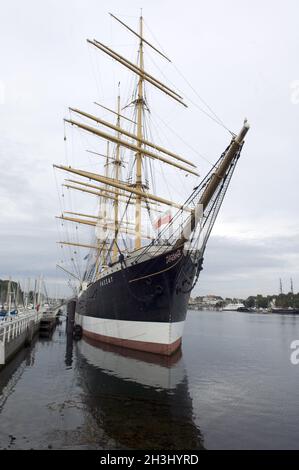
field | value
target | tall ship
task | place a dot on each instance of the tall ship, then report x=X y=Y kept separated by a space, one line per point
x=145 y=251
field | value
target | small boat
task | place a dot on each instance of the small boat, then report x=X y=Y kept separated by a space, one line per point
x=6 y=313
x=288 y=310
x=237 y=307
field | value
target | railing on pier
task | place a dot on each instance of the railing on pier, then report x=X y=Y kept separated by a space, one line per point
x=11 y=327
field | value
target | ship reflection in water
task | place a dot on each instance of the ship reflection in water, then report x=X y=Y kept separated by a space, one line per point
x=140 y=400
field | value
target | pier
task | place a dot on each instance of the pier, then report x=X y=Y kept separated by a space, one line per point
x=16 y=332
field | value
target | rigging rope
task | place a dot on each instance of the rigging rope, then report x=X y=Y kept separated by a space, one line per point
x=216 y=118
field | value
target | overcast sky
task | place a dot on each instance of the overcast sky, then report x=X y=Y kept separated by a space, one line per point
x=241 y=57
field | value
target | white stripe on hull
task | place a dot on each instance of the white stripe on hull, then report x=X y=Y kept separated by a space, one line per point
x=148 y=332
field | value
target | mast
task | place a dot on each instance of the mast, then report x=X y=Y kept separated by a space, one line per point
x=280 y=286
x=140 y=105
x=34 y=297
x=17 y=295
x=101 y=244
x=8 y=290
x=39 y=292
x=27 y=293
x=105 y=201
x=9 y=295
x=117 y=164
x=136 y=34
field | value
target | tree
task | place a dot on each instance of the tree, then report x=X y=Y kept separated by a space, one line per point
x=250 y=302
x=261 y=301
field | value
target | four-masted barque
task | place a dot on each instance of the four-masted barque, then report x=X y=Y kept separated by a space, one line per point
x=136 y=295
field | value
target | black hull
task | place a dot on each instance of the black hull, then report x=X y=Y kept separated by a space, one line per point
x=156 y=290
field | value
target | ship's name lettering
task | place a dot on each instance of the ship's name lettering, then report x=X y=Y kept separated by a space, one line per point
x=173 y=257
x=106 y=281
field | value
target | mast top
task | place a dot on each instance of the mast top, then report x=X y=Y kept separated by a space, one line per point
x=139 y=36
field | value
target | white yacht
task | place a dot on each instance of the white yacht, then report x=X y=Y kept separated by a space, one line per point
x=233 y=307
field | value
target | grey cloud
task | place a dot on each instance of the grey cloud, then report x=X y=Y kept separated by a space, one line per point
x=244 y=267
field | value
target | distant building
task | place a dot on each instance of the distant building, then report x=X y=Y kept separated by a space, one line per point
x=207 y=302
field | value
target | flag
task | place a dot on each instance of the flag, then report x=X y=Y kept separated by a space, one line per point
x=165 y=218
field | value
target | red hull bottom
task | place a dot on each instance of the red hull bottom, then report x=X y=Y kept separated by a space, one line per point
x=156 y=348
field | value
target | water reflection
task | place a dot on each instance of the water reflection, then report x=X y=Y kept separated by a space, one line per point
x=140 y=400
x=69 y=348
x=13 y=371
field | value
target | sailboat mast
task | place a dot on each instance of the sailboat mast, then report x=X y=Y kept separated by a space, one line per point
x=140 y=105
x=117 y=171
x=9 y=295
x=17 y=296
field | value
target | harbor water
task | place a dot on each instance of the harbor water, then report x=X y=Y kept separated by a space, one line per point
x=232 y=386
